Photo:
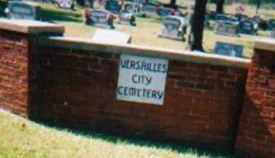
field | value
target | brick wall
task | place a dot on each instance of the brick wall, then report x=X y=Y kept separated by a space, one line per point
x=14 y=66
x=256 y=136
x=77 y=88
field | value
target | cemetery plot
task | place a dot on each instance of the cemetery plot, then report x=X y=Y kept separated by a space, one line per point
x=100 y=18
x=249 y=27
x=23 y=10
x=228 y=49
x=174 y=28
x=66 y=4
x=227 y=28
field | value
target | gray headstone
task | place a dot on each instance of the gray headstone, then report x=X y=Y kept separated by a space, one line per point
x=227 y=28
x=271 y=24
x=228 y=49
x=248 y=27
x=111 y=36
x=273 y=33
x=174 y=27
x=126 y=15
x=100 y=18
x=113 y=6
x=66 y=4
x=23 y=10
x=149 y=8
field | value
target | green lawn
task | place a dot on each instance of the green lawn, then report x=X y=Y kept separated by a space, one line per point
x=21 y=138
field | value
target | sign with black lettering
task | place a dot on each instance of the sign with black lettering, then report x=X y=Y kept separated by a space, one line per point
x=142 y=79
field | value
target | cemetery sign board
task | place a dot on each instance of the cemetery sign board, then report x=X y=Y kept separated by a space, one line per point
x=142 y=79
x=23 y=10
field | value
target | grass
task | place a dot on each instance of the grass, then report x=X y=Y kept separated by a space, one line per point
x=21 y=138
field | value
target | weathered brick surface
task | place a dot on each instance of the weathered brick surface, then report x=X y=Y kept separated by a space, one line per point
x=256 y=135
x=202 y=102
x=14 y=49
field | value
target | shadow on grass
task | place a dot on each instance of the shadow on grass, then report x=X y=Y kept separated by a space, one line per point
x=142 y=142
x=52 y=15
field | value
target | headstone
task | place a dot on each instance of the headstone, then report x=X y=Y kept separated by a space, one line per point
x=126 y=15
x=164 y=11
x=174 y=27
x=142 y=79
x=149 y=8
x=228 y=49
x=241 y=17
x=111 y=36
x=66 y=4
x=23 y=10
x=101 y=18
x=248 y=27
x=113 y=6
x=227 y=28
x=271 y=24
x=273 y=33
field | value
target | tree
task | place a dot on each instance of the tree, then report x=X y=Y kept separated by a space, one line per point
x=173 y=2
x=219 y=6
x=197 y=25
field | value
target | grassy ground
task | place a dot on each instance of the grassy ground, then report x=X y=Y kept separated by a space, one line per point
x=21 y=138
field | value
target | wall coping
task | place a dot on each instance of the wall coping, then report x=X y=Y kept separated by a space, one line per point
x=265 y=44
x=30 y=26
x=184 y=55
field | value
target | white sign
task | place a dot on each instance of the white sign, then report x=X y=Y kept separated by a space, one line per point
x=142 y=79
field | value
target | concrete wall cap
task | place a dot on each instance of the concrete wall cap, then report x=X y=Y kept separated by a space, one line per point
x=184 y=55
x=30 y=26
x=265 y=44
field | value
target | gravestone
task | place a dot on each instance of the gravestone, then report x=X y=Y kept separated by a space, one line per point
x=101 y=18
x=271 y=24
x=126 y=15
x=273 y=33
x=66 y=4
x=131 y=7
x=111 y=36
x=23 y=10
x=164 y=11
x=149 y=8
x=113 y=6
x=248 y=27
x=174 y=27
x=228 y=49
x=227 y=28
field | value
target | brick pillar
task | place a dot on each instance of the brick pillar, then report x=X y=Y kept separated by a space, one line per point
x=256 y=134
x=17 y=43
